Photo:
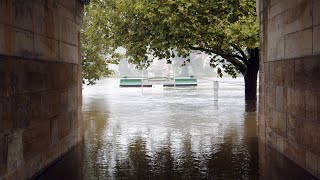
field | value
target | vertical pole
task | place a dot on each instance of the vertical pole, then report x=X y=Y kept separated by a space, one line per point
x=141 y=81
x=215 y=90
x=174 y=78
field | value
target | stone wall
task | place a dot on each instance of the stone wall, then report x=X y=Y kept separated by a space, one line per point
x=289 y=102
x=40 y=83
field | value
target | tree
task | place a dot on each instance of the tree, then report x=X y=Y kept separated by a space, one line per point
x=96 y=49
x=225 y=29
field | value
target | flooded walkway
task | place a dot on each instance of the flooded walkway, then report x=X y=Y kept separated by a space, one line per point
x=182 y=133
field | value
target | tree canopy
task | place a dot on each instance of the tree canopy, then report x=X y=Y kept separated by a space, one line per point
x=165 y=29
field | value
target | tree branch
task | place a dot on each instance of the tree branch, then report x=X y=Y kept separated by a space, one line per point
x=234 y=59
x=245 y=58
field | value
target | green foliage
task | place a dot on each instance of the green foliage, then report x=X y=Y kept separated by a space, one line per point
x=170 y=28
x=166 y=29
x=96 y=49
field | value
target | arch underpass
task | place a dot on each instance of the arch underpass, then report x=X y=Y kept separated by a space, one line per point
x=41 y=83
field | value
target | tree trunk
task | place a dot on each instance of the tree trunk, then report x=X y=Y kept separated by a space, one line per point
x=251 y=74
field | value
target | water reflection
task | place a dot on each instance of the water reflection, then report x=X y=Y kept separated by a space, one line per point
x=175 y=134
x=169 y=133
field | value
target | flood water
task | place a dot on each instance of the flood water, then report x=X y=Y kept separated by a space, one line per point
x=174 y=133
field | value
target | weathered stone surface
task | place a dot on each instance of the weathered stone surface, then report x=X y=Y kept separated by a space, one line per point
x=72 y=98
x=3 y=155
x=299 y=17
x=290 y=37
x=311 y=136
x=316 y=40
x=68 y=31
x=64 y=125
x=280 y=144
x=311 y=105
x=294 y=129
x=295 y=104
x=36 y=139
x=270 y=95
x=45 y=48
x=68 y=53
x=296 y=153
x=298 y=44
x=45 y=19
x=70 y=5
x=39 y=83
x=278 y=122
x=307 y=73
x=15 y=149
x=316 y=12
x=311 y=162
x=276 y=42
x=6 y=124
x=280 y=98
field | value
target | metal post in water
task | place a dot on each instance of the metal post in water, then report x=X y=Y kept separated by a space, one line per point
x=141 y=81
x=215 y=90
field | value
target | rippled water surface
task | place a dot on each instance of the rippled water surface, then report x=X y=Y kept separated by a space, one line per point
x=168 y=133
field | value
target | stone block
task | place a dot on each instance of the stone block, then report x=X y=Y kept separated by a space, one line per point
x=65 y=13
x=298 y=44
x=289 y=74
x=45 y=48
x=270 y=95
x=72 y=98
x=54 y=131
x=26 y=110
x=64 y=101
x=36 y=139
x=6 y=12
x=299 y=17
x=276 y=41
x=278 y=122
x=15 y=149
x=6 y=123
x=22 y=14
x=311 y=162
x=316 y=39
x=24 y=41
x=295 y=129
x=17 y=42
x=316 y=12
x=311 y=136
x=50 y=103
x=295 y=153
x=280 y=144
x=68 y=53
x=70 y=5
x=7 y=40
x=75 y=78
x=64 y=125
x=68 y=31
x=280 y=98
x=295 y=104
x=60 y=75
x=36 y=77
x=79 y=8
x=306 y=73
x=311 y=105
x=3 y=155
x=45 y=20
